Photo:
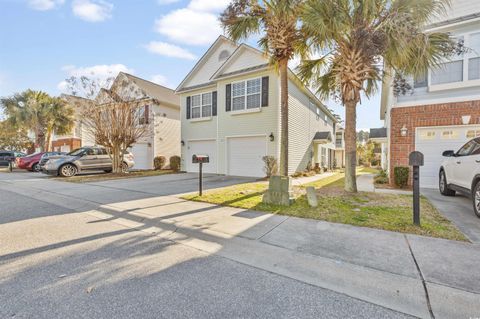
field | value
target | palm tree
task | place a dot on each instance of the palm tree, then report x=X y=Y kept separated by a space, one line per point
x=59 y=119
x=355 y=38
x=37 y=111
x=28 y=110
x=277 y=22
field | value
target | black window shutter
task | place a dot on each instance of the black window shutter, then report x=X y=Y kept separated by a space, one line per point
x=265 y=91
x=228 y=98
x=188 y=107
x=147 y=114
x=214 y=103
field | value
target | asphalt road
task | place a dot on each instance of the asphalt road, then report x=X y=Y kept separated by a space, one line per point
x=57 y=263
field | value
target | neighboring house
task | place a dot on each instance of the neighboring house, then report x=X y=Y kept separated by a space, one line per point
x=160 y=109
x=339 y=147
x=443 y=112
x=379 y=137
x=230 y=110
x=69 y=142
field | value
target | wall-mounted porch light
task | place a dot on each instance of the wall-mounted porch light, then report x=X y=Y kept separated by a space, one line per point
x=404 y=131
x=272 y=138
x=183 y=143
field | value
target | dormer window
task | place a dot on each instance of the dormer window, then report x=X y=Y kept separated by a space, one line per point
x=223 y=55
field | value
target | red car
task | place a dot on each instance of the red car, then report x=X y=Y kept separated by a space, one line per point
x=30 y=162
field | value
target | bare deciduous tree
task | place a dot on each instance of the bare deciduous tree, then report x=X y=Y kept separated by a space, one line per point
x=117 y=125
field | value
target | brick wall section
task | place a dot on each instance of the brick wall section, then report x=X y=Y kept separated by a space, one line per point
x=73 y=142
x=422 y=116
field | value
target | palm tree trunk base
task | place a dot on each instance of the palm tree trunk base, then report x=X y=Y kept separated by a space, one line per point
x=279 y=191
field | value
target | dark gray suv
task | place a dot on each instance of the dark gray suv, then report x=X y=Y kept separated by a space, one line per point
x=84 y=159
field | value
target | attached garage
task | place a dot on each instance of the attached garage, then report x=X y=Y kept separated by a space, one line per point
x=204 y=147
x=142 y=156
x=244 y=156
x=433 y=141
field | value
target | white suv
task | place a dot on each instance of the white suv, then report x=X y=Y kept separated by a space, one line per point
x=460 y=172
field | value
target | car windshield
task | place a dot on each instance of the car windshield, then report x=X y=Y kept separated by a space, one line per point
x=77 y=152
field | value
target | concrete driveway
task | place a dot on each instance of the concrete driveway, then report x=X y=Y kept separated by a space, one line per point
x=459 y=210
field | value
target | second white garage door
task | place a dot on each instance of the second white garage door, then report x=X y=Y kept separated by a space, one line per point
x=244 y=156
x=207 y=147
x=433 y=141
x=142 y=156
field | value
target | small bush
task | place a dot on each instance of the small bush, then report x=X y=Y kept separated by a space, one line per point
x=159 y=162
x=175 y=163
x=271 y=166
x=400 y=174
x=381 y=179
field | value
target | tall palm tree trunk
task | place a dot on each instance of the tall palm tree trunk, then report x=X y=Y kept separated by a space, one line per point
x=350 y=146
x=283 y=68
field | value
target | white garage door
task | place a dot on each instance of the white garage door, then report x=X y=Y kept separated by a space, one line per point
x=245 y=154
x=209 y=148
x=142 y=157
x=433 y=141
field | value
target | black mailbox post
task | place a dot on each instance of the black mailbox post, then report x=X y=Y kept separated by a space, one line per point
x=415 y=159
x=200 y=160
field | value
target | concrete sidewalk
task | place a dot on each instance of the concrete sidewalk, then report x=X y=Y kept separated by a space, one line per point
x=365 y=183
x=413 y=274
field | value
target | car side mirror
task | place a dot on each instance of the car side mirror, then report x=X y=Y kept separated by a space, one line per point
x=448 y=153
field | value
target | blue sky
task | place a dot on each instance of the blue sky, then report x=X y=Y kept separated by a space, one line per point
x=42 y=42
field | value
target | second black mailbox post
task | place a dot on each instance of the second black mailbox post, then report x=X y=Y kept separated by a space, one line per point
x=200 y=160
x=415 y=159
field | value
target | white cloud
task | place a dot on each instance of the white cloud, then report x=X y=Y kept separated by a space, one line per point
x=196 y=24
x=170 y=50
x=160 y=79
x=98 y=72
x=45 y=5
x=92 y=10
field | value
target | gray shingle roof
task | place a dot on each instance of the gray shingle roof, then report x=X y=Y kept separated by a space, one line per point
x=153 y=90
x=378 y=132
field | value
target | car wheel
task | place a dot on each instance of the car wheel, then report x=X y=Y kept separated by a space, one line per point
x=443 y=185
x=124 y=167
x=68 y=170
x=476 y=199
x=35 y=167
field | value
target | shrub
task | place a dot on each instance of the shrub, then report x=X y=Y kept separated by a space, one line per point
x=159 y=162
x=400 y=174
x=381 y=178
x=175 y=163
x=271 y=166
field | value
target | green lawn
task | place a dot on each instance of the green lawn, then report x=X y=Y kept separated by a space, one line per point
x=111 y=176
x=382 y=211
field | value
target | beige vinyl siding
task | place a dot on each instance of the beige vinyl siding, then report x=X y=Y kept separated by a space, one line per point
x=261 y=123
x=210 y=66
x=167 y=132
x=195 y=129
x=303 y=124
x=242 y=60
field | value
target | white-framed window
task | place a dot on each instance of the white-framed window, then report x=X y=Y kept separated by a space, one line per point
x=427 y=135
x=143 y=115
x=317 y=110
x=449 y=135
x=472 y=134
x=247 y=94
x=201 y=105
x=474 y=56
x=326 y=119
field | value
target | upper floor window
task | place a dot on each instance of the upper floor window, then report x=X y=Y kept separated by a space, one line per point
x=421 y=81
x=143 y=115
x=247 y=94
x=201 y=105
x=474 y=56
x=448 y=72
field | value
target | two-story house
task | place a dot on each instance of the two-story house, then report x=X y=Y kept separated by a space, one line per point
x=160 y=111
x=230 y=110
x=443 y=111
